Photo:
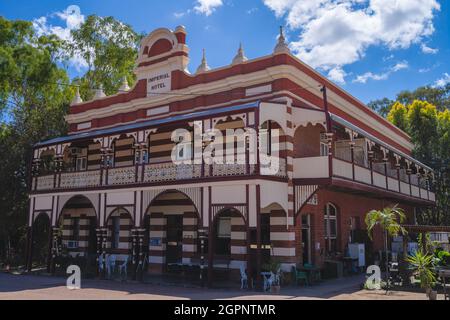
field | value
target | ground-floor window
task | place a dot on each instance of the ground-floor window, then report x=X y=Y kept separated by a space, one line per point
x=330 y=228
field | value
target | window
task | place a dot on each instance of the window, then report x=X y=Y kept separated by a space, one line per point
x=330 y=226
x=76 y=228
x=323 y=149
x=115 y=237
x=81 y=164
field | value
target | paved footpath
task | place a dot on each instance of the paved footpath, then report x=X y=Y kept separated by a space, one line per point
x=33 y=287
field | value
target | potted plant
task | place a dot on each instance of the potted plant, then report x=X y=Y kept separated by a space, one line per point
x=422 y=264
x=274 y=267
x=390 y=220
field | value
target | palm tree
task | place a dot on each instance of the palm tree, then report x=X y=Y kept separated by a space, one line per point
x=389 y=219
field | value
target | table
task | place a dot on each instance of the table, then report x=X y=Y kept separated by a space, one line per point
x=312 y=272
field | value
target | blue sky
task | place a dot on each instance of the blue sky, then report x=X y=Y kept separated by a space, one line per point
x=372 y=48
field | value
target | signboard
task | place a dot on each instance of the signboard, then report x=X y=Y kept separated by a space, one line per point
x=159 y=82
x=155 y=242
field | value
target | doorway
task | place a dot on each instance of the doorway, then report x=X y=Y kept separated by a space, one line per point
x=306 y=238
x=174 y=236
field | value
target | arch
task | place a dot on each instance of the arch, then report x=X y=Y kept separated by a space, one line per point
x=117 y=209
x=123 y=145
x=67 y=199
x=41 y=235
x=159 y=47
x=43 y=212
x=155 y=36
x=307 y=141
x=153 y=195
x=173 y=220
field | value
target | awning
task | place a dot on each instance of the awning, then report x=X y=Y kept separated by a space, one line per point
x=147 y=124
x=376 y=140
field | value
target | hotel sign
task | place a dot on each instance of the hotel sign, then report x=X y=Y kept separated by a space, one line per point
x=159 y=82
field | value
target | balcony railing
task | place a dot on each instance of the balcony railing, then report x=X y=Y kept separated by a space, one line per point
x=149 y=173
x=317 y=167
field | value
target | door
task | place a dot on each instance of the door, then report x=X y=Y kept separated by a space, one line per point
x=92 y=241
x=174 y=232
x=306 y=239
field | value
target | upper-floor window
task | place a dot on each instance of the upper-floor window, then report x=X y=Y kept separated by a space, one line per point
x=81 y=164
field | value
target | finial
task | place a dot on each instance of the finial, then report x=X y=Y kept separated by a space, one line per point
x=204 y=65
x=77 y=99
x=281 y=46
x=124 y=86
x=99 y=92
x=240 y=56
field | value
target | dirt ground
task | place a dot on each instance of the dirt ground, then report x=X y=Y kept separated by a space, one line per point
x=32 y=287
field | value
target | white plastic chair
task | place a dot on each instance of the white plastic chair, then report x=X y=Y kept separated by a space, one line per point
x=123 y=268
x=100 y=263
x=110 y=264
x=244 y=278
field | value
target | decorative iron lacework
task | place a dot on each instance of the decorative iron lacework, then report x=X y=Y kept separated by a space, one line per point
x=45 y=182
x=171 y=172
x=124 y=175
x=80 y=179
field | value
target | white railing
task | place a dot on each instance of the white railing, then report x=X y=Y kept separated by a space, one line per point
x=124 y=175
x=80 y=179
x=311 y=167
x=363 y=175
x=342 y=169
x=45 y=182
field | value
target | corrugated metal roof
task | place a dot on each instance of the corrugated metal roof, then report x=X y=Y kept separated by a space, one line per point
x=147 y=124
x=374 y=139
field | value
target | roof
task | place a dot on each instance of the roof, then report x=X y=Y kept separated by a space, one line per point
x=148 y=123
x=376 y=140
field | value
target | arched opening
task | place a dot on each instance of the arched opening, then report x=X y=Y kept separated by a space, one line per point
x=171 y=242
x=229 y=244
x=118 y=236
x=41 y=240
x=310 y=141
x=77 y=241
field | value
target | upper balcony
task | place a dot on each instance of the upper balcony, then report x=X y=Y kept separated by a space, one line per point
x=354 y=159
x=147 y=154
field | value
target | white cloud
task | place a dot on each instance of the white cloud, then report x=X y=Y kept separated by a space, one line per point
x=443 y=81
x=72 y=18
x=207 y=7
x=427 y=50
x=337 y=75
x=381 y=76
x=335 y=33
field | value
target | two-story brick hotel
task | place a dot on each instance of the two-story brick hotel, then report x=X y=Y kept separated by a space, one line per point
x=111 y=186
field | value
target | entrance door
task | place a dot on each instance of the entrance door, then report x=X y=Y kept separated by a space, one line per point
x=174 y=232
x=92 y=241
x=306 y=239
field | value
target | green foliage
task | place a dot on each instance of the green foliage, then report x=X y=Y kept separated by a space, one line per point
x=110 y=49
x=422 y=264
x=389 y=219
x=429 y=129
x=32 y=107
